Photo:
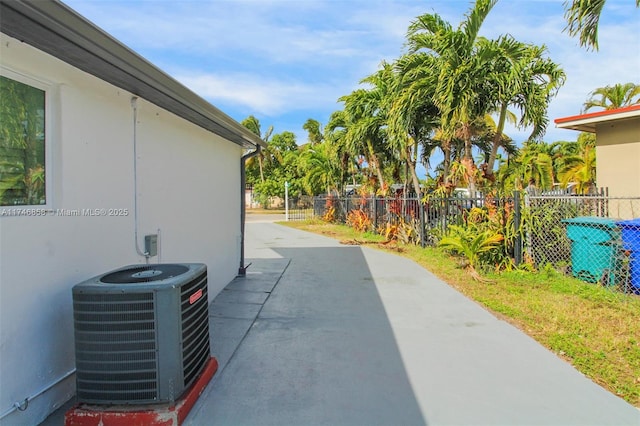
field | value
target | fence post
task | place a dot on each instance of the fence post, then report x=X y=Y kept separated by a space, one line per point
x=374 y=210
x=286 y=201
x=346 y=208
x=422 y=236
x=517 y=245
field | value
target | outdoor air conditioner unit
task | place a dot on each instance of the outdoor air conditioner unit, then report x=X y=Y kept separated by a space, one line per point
x=141 y=333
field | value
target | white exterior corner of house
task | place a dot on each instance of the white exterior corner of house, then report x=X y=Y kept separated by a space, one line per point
x=185 y=181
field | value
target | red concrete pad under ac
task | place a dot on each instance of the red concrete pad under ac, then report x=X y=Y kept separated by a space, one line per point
x=147 y=415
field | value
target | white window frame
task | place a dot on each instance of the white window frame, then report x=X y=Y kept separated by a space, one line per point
x=49 y=91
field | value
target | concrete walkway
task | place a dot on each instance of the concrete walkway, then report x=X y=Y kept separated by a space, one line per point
x=323 y=334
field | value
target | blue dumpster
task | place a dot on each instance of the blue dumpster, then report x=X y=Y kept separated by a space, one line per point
x=593 y=248
x=630 y=230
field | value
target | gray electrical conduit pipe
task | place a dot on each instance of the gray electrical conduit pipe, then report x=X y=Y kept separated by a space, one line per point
x=242 y=271
x=24 y=404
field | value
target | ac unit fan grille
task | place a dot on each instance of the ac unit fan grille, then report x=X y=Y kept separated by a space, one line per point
x=144 y=274
x=116 y=355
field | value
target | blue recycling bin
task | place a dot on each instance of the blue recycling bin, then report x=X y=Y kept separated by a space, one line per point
x=630 y=230
x=593 y=245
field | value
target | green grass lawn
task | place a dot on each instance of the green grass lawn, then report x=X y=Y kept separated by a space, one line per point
x=595 y=329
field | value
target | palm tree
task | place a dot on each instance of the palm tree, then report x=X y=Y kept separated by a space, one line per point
x=253 y=124
x=365 y=120
x=533 y=164
x=318 y=169
x=314 y=129
x=498 y=138
x=519 y=76
x=335 y=135
x=580 y=168
x=460 y=69
x=413 y=117
x=428 y=148
x=613 y=97
x=582 y=18
x=404 y=134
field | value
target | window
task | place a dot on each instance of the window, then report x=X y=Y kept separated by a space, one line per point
x=22 y=144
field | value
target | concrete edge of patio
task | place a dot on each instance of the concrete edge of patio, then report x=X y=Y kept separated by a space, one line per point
x=237 y=306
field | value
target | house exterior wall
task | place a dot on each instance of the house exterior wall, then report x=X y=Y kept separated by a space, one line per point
x=618 y=154
x=188 y=192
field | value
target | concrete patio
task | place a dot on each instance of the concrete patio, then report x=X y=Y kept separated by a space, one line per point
x=320 y=333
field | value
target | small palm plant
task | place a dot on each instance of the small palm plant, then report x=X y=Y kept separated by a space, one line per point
x=472 y=244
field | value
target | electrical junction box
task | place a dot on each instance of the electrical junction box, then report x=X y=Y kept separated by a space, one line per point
x=151 y=245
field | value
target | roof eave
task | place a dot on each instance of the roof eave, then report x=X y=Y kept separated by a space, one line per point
x=58 y=30
x=588 y=122
x=581 y=127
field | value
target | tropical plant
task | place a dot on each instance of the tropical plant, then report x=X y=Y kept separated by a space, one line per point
x=346 y=161
x=533 y=165
x=329 y=210
x=365 y=125
x=471 y=244
x=412 y=117
x=318 y=170
x=413 y=114
x=460 y=63
x=583 y=17
x=359 y=220
x=280 y=164
x=520 y=76
x=613 y=97
x=405 y=232
x=580 y=168
x=253 y=124
x=314 y=130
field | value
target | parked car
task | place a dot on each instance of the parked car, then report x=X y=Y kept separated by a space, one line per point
x=467 y=201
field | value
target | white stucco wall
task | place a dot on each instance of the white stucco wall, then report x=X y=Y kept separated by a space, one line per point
x=188 y=191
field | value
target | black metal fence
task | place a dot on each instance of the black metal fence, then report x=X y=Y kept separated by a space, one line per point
x=434 y=215
x=594 y=238
x=299 y=208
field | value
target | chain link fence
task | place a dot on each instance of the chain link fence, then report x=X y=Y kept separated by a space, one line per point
x=595 y=238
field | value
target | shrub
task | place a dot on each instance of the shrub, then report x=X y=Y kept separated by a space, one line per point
x=359 y=220
x=472 y=244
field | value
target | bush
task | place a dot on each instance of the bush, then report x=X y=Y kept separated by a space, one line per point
x=359 y=220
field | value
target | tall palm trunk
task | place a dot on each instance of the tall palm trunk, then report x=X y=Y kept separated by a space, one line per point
x=467 y=159
x=375 y=163
x=411 y=163
x=446 y=162
x=497 y=139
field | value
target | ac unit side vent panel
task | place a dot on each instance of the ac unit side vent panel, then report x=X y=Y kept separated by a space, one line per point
x=194 y=302
x=141 y=333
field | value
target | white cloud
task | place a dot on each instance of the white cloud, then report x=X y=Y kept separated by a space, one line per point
x=266 y=96
x=287 y=57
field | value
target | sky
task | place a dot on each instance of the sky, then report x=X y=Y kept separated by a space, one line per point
x=285 y=61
